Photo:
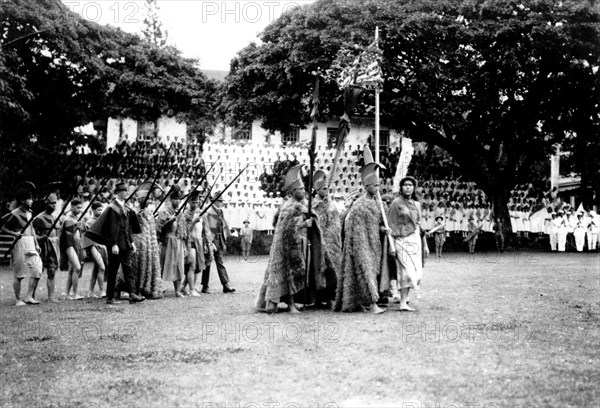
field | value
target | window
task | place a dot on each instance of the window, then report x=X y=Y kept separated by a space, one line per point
x=384 y=138
x=243 y=132
x=291 y=136
x=146 y=131
x=332 y=134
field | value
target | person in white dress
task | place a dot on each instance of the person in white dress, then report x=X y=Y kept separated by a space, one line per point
x=525 y=214
x=562 y=233
x=579 y=234
x=513 y=217
x=593 y=228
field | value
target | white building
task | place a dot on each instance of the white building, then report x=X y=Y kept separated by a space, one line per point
x=165 y=130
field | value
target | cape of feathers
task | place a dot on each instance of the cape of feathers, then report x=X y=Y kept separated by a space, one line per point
x=361 y=257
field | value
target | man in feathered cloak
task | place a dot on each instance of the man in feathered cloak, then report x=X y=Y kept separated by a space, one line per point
x=361 y=258
x=329 y=221
x=285 y=276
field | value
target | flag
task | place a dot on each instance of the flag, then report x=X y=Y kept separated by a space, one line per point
x=351 y=94
x=364 y=71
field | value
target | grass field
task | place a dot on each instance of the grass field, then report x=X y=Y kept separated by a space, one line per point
x=521 y=330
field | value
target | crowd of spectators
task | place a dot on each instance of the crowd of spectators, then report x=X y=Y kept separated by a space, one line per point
x=256 y=194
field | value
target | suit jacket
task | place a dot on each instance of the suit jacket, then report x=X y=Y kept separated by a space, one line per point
x=218 y=228
x=115 y=226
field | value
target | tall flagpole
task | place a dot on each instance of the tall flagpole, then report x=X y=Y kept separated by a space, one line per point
x=392 y=245
x=376 y=138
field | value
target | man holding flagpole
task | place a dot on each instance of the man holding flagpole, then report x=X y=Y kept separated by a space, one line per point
x=286 y=269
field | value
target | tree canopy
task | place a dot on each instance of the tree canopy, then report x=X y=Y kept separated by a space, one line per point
x=497 y=84
x=60 y=71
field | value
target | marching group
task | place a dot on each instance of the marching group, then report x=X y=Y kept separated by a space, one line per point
x=136 y=244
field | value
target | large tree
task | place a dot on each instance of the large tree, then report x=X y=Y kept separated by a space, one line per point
x=494 y=83
x=59 y=71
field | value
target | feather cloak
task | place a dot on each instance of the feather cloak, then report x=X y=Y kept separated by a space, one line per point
x=286 y=269
x=331 y=226
x=361 y=257
x=146 y=260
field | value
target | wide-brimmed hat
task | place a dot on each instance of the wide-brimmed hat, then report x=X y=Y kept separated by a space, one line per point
x=246 y=222
x=439 y=217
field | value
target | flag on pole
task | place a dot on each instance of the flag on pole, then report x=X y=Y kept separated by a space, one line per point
x=364 y=71
x=354 y=74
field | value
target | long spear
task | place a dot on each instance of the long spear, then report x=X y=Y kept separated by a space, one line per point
x=27 y=224
x=167 y=195
x=311 y=154
x=104 y=183
x=156 y=175
x=210 y=189
x=32 y=217
x=194 y=189
x=66 y=204
x=223 y=191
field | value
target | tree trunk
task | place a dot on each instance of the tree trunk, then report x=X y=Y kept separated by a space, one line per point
x=499 y=197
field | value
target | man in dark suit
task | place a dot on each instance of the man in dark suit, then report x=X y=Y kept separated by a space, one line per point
x=220 y=233
x=114 y=229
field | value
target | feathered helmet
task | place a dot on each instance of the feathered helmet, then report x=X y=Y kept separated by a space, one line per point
x=293 y=179
x=319 y=180
x=368 y=173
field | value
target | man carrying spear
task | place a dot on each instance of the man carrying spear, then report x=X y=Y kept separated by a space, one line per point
x=285 y=276
x=43 y=225
x=200 y=239
x=25 y=259
x=220 y=233
x=173 y=236
x=329 y=221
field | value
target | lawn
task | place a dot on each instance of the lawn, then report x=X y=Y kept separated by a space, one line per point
x=521 y=330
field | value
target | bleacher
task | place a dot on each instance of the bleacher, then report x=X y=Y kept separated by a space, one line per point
x=5 y=242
